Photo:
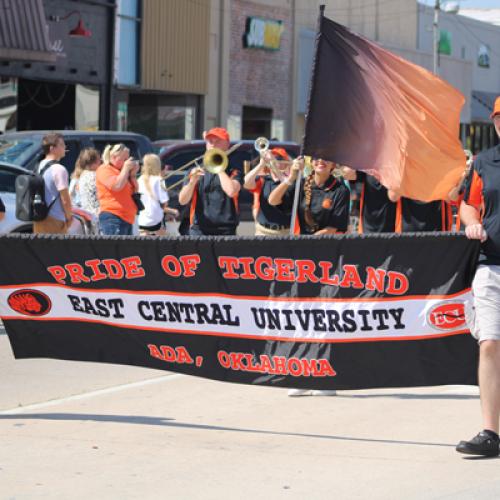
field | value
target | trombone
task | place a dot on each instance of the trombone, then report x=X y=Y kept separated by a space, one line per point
x=214 y=161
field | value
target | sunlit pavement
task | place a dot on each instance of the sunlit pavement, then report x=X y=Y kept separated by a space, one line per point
x=88 y=430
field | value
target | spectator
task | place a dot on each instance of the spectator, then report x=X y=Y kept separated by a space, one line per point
x=153 y=196
x=74 y=191
x=87 y=163
x=116 y=182
x=56 y=187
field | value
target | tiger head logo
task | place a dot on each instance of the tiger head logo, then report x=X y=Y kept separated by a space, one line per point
x=29 y=302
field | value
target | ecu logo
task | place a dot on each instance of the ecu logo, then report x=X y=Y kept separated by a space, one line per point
x=29 y=302
x=447 y=316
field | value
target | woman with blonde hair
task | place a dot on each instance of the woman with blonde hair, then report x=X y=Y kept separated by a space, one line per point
x=153 y=196
x=116 y=183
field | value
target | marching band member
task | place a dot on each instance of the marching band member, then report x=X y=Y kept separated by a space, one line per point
x=261 y=180
x=456 y=194
x=377 y=213
x=323 y=202
x=479 y=213
x=414 y=216
x=323 y=209
x=213 y=197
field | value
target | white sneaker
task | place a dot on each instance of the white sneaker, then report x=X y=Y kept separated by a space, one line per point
x=323 y=393
x=299 y=392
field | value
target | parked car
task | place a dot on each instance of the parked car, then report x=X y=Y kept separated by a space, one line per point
x=82 y=223
x=25 y=148
x=175 y=154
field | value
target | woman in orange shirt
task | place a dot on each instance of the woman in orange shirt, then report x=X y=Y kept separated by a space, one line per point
x=116 y=182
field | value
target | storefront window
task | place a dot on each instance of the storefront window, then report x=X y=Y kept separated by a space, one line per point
x=128 y=42
x=176 y=122
x=256 y=122
x=8 y=104
x=86 y=108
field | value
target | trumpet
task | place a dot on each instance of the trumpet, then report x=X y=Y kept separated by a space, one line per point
x=338 y=171
x=261 y=145
x=469 y=157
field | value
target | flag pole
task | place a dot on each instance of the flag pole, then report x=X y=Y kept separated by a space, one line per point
x=296 y=195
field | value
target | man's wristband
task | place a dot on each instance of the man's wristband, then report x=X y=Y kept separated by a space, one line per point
x=288 y=182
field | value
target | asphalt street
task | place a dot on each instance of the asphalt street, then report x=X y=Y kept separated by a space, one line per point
x=83 y=430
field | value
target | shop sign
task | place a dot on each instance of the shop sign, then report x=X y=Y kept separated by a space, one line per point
x=262 y=33
x=483 y=56
x=444 y=42
x=57 y=38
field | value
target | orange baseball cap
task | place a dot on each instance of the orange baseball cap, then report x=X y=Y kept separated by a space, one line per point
x=496 y=108
x=219 y=132
x=281 y=153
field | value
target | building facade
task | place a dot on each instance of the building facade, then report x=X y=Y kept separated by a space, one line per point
x=54 y=64
x=171 y=69
x=171 y=39
x=468 y=55
x=259 y=73
x=475 y=46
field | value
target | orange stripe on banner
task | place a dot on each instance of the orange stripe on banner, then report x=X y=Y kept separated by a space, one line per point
x=244 y=297
x=239 y=335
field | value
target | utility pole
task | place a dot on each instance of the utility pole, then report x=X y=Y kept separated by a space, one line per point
x=435 y=41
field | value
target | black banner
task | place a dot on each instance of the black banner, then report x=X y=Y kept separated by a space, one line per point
x=344 y=312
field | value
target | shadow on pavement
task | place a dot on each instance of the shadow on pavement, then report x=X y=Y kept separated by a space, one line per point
x=164 y=421
x=409 y=396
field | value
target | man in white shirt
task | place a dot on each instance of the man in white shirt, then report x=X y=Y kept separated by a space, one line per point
x=56 y=187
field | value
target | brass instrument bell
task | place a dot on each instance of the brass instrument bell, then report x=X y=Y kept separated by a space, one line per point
x=261 y=145
x=215 y=161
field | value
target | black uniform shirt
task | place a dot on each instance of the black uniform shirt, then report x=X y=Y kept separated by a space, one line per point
x=377 y=212
x=212 y=211
x=482 y=191
x=417 y=216
x=269 y=215
x=329 y=206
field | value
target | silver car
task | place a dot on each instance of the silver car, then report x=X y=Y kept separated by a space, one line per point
x=82 y=223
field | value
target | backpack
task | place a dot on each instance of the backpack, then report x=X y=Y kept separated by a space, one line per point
x=30 y=196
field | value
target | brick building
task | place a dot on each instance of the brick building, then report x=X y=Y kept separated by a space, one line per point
x=260 y=54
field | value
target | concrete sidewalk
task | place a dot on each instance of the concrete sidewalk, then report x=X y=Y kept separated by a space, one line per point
x=180 y=437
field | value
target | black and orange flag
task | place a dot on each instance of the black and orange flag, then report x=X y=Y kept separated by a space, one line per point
x=376 y=112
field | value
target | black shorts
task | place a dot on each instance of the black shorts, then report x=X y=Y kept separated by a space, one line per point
x=156 y=227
